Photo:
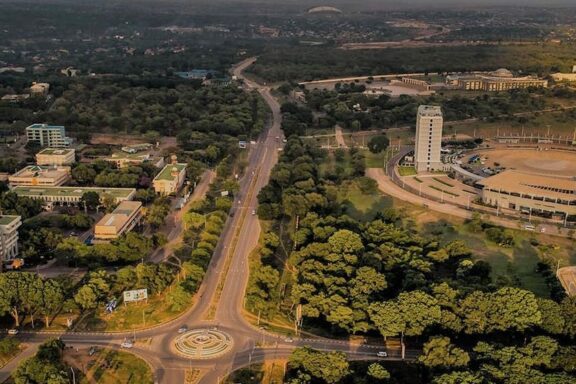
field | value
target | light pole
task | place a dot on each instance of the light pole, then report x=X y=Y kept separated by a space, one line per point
x=73 y=375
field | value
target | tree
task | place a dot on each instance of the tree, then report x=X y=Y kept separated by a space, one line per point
x=378 y=144
x=439 y=352
x=86 y=297
x=345 y=241
x=552 y=319
x=84 y=174
x=91 y=200
x=178 y=298
x=378 y=372
x=459 y=378
x=328 y=366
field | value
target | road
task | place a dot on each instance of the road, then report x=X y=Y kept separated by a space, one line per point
x=221 y=296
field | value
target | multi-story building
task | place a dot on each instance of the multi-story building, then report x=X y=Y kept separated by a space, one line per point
x=9 y=236
x=45 y=135
x=428 y=141
x=500 y=80
x=40 y=175
x=72 y=195
x=123 y=219
x=56 y=156
x=171 y=178
x=528 y=193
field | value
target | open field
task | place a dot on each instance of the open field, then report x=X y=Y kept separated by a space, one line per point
x=558 y=163
x=567 y=276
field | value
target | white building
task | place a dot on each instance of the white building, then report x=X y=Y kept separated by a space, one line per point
x=9 y=236
x=428 y=139
x=125 y=217
x=56 y=156
x=45 y=135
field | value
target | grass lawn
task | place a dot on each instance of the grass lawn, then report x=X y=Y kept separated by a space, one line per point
x=131 y=316
x=407 y=171
x=515 y=264
x=108 y=366
x=361 y=205
x=374 y=160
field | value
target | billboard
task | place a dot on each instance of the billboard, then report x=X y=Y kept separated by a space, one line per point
x=135 y=295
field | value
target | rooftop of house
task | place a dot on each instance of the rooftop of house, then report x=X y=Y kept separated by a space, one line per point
x=55 y=151
x=533 y=185
x=45 y=126
x=166 y=172
x=8 y=219
x=42 y=171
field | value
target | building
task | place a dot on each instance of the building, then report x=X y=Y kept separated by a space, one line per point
x=72 y=195
x=15 y=98
x=500 y=80
x=123 y=160
x=171 y=178
x=45 y=135
x=564 y=77
x=40 y=175
x=9 y=236
x=531 y=194
x=421 y=85
x=123 y=219
x=428 y=141
x=39 y=89
x=56 y=156
x=137 y=148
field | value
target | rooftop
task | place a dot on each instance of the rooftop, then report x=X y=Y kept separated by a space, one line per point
x=534 y=185
x=45 y=126
x=55 y=151
x=72 y=191
x=42 y=171
x=430 y=110
x=166 y=172
x=8 y=219
x=121 y=215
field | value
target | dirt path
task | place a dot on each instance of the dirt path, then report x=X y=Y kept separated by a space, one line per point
x=340 y=137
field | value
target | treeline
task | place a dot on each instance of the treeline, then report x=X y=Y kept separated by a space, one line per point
x=383 y=277
x=357 y=111
x=313 y=63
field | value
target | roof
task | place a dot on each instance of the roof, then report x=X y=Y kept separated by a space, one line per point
x=166 y=172
x=534 y=185
x=42 y=171
x=72 y=191
x=45 y=126
x=430 y=111
x=120 y=216
x=55 y=151
x=8 y=219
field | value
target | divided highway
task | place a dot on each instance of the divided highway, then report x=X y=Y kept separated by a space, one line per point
x=220 y=299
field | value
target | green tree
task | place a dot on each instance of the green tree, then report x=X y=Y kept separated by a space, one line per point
x=378 y=372
x=91 y=200
x=439 y=352
x=378 y=144
x=328 y=366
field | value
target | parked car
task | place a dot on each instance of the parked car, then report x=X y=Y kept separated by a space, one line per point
x=288 y=340
x=127 y=343
x=13 y=331
x=382 y=354
x=182 y=329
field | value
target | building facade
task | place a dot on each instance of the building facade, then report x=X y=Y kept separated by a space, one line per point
x=530 y=194
x=39 y=89
x=40 y=175
x=171 y=178
x=45 y=135
x=428 y=140
x=56 y=156
x=126 y=216
x=123 y=160
x=9 y=236
x=500 y=80
x=72 y=195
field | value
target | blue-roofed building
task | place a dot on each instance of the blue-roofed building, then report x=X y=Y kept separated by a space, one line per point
x=53 y=136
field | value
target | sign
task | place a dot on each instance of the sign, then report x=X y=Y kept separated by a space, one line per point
x=135 y=295
x=242 y=144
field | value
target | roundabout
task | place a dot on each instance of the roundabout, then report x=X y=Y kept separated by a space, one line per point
x=203 y=344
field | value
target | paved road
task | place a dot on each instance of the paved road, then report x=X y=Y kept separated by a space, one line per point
x=220 y=298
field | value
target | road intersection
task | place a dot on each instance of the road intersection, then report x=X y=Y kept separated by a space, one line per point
x=220 y=300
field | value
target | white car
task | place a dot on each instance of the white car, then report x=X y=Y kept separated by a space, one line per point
x=127 y=343
x=382 y=354
x=182 y=329
x=288 y=340
x=13 y=331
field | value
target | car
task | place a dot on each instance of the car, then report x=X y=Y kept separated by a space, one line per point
x=92 y=350
x=253 y=212
x=13 y=331
x=382 y=354
x=127 y=343
x=288 y=340
x=182 y=329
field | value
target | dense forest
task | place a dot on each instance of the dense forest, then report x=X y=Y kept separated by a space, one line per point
x=383 y=277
